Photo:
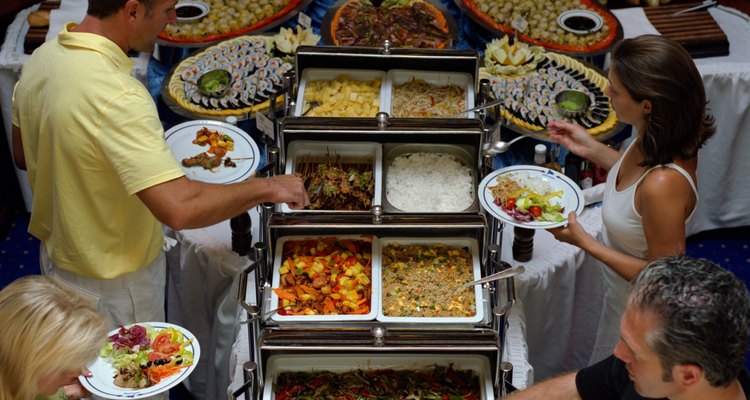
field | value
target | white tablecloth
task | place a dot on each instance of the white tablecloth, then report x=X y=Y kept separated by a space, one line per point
x=202 y=297
x=559 y=300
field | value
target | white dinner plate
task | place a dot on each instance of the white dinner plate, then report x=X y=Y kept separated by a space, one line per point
x=101 y=383
x=246 y=154
x=572 y=198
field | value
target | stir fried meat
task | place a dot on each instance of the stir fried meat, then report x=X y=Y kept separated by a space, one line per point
x=336 y=185
x=132 y=377
x=435 y=382
x=203 y=160
x=359 y=23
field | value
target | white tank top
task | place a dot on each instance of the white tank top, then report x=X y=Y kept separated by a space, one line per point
x=623 y=231
x=623 y=226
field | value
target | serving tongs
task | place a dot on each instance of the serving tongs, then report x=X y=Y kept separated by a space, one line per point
x=506 y=273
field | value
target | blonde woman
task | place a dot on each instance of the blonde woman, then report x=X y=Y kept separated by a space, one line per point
x=49 y=333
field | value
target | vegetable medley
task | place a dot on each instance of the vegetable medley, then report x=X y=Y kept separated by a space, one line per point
x=527 y=201
x=144 y=355
x=325 y=276
x=435 y=382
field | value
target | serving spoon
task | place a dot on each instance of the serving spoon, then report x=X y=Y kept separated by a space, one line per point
x=477 y=108
x=506 y=273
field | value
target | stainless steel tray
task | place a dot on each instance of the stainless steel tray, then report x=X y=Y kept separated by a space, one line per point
x=466 y=155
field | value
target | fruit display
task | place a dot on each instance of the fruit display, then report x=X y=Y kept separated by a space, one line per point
x=539 y=20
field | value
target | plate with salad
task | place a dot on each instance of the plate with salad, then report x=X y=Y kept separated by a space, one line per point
x=142 y=360
x=530 y=197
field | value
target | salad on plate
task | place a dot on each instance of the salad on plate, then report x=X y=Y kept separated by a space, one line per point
x=527 y=199
x=143 y=355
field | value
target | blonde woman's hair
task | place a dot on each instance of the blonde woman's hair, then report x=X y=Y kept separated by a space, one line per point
x=45 y=328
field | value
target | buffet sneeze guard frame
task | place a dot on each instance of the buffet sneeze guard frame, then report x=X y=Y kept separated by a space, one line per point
x=271 y=338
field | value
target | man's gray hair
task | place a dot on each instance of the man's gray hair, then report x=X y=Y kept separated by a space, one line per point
x=704 y=312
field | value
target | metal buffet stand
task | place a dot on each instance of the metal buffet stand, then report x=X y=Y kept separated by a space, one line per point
x=269 y=337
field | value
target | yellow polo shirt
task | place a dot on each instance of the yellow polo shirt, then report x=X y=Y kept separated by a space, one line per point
x=92 y=139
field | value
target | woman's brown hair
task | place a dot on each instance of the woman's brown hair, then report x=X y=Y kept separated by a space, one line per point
x=660 y=70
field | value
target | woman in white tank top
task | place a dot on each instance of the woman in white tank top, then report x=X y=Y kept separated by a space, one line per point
x=650 y=191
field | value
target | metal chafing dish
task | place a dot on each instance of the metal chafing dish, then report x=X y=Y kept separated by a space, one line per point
x=377 y=339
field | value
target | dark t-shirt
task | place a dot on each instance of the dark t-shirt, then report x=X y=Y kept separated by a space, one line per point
x=608 y=380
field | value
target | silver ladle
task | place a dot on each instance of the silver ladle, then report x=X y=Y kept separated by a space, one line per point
x=498 y=145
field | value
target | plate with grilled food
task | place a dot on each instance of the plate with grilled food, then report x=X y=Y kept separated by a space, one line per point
x=213 y=151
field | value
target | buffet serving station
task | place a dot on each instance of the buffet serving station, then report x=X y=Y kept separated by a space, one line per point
x=280 y=342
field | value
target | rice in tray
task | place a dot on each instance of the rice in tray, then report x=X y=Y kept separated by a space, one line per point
x=429 y=182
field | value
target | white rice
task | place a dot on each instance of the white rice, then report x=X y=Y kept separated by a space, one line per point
x=535 y=184
x=429 y=182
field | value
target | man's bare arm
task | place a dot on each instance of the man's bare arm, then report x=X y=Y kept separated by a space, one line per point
x=185 y=204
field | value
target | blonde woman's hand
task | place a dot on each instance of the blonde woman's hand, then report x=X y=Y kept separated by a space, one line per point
x=74 y=390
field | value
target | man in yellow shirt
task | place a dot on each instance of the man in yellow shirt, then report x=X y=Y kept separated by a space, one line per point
x=104 y=180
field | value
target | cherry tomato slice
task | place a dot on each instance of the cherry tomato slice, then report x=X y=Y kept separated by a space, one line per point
x=536 y=211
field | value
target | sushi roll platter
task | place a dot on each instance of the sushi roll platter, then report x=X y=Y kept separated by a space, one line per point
x=255 y=76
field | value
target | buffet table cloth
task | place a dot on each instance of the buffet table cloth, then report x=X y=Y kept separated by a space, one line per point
x=559 y=299
x=202 y=297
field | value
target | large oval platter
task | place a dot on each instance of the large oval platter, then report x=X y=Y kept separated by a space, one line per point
x=421 y=23
x=256 y=77
x=543 y=29
x=528 y=97
x=231 y=19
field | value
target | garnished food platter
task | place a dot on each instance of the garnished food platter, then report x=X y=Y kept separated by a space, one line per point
x=542 y=28
x=542 y=187
x=256 y=70
x=238 y=162
x=528 y=79
x=230 y=19
x=102 y=383
x=406 y=23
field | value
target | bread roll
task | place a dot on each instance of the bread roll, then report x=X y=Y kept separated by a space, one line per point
x=38 y=18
